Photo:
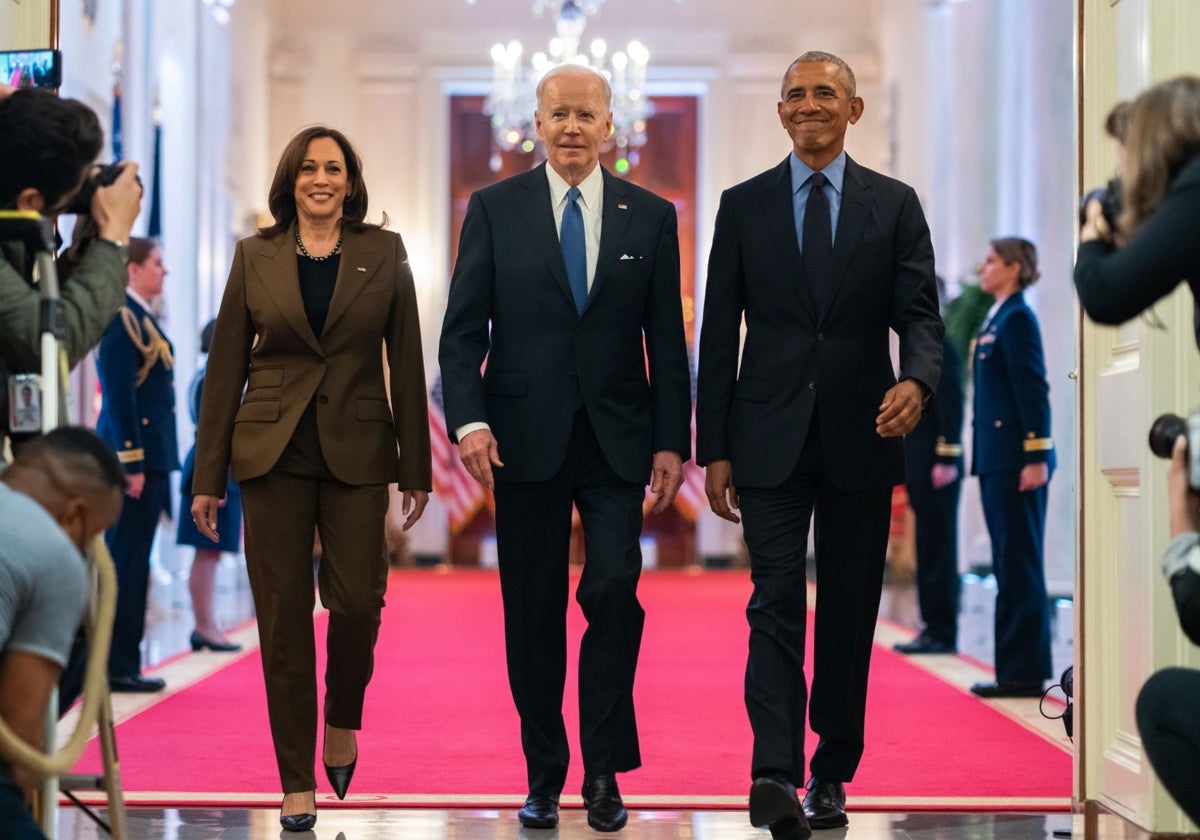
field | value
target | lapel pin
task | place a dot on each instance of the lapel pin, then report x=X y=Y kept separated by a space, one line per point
x=362 y=268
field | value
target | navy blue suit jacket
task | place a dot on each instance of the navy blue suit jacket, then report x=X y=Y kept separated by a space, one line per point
x=625 y=358
x=797 y=360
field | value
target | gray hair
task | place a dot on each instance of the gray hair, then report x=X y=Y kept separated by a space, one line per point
x=574 y=70
x=844 y=74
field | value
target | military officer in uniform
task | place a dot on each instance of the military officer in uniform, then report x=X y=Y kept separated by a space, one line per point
x=137 y=418
x=1013 y=455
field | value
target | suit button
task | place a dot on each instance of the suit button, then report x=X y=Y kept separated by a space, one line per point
x=820 y=336
x=322 y=399
x=812 y=386
x=999 y=423
x=145 y=422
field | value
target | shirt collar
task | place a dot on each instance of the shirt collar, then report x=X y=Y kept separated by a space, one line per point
x=591 y=188
x=141 y=301
x=835 y=171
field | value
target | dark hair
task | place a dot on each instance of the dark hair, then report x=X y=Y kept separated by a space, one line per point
x=45 y=143
x=206 y=335
x=844 y=73
x=140 y=249
x=281 y=200
x=1116 y=124
x=1014 y=249
x=1163 y=135
x=87 y=452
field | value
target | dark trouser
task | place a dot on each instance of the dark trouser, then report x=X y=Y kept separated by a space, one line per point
x=533 y=532
x=1168 y=718
x=129 y=541
x=1016 y=523
x=936 y=514
x=16 y=822
x=851 y=547
x=282 y=509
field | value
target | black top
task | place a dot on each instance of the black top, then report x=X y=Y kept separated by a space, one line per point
x=1115 y=284
x=317 y=279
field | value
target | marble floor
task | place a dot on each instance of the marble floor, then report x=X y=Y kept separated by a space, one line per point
x=168 y=654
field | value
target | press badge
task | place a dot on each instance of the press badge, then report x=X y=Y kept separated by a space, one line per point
x=24 y=403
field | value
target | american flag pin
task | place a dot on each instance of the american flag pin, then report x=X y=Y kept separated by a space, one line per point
x=622 y=206
x=362 y=268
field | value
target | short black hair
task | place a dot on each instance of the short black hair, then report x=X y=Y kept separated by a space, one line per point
x=45 y=143
x=83 y=444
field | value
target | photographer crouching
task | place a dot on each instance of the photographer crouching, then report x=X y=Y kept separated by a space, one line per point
x=47 y=146
x=1168 y=707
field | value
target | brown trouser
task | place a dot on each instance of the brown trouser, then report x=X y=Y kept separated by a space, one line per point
x=282 y=509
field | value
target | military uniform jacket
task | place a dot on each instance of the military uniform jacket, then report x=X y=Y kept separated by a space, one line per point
x=1012 y=396
x=135 y=362
x=937 y=438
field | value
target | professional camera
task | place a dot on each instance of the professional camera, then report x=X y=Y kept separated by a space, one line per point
x=1109 y=197
x=102 y=176
x=1163 y=432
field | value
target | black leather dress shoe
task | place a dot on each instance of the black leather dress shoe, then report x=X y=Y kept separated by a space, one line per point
x=773 y=804
x=539 y=812
x=298 y=822
x=137 y=683
x=1021 y=688
x=825 y=804
x=925 y=644
x=204 y=643
x=606 y=811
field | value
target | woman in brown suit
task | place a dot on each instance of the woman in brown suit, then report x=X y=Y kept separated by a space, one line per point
x=312 y=306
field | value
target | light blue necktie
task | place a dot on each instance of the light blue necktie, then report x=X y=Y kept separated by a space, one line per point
x=574 y=249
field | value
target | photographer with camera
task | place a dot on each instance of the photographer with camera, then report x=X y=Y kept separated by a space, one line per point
x=1145 y=244
x=1168 y=707
x=47 y=146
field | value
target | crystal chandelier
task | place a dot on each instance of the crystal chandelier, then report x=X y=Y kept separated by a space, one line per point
x=513 y=98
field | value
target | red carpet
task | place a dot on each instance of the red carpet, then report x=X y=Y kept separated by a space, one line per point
x=439 y=718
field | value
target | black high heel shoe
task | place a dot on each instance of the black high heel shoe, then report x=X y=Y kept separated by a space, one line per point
x=339 y=777
x=298 y=822
x=201 y=642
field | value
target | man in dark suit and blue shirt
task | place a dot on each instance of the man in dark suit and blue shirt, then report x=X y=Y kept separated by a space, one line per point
x=586 y=393
x=822 y=257
x=135 y=364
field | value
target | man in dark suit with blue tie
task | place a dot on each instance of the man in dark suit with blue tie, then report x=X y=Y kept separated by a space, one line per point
x=822 y=257
x=567 y=283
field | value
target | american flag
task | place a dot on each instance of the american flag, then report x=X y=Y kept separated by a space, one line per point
x=461 y=494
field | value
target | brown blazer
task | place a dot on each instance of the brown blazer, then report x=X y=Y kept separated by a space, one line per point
x=264 y=345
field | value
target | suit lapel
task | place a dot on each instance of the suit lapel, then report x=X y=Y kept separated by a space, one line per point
x=275 y=266
x=780 y=215
x=852 y=221
x=613 y=222
x=358 y=265
x=540 y=217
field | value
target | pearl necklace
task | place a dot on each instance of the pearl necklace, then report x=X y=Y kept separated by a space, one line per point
x=336 y=248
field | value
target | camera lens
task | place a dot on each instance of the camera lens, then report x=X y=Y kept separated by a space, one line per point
x=1163 y=432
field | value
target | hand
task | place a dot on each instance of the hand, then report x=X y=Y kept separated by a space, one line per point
x=1033 y=476
x=204 y=514
x=1095 y=226
x=1183 y=503
x=479 y=453
x=412 y=505
x=718 y=486
x=943 y=475
x=666 y=479
x=116 y=207
x=5 y=90
x=900 y=409
x=136 y=483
